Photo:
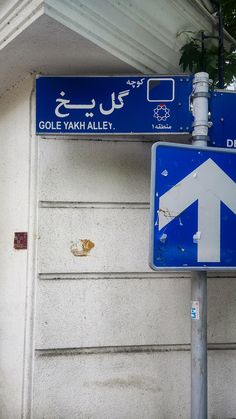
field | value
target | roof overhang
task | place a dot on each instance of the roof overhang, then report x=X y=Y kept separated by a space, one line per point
x=93 y=37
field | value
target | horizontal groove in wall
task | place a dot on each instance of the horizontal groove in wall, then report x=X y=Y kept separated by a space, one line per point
x=96 y=205
x=221 y=275
x=111 y=350
x=129 y=349
x=57 y=276
x=113 y=275
x=134 y=138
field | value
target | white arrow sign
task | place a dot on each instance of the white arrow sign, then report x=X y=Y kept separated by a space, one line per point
x=210 y=186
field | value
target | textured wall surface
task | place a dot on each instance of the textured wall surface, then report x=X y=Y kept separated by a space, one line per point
x=94 y=333
x=14 y=190
x=112 y=338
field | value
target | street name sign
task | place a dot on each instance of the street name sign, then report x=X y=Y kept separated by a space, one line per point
x=113 y=105
x=193 y=208
x=222 y=105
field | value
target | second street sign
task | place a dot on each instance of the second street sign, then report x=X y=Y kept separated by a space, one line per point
x=193 y=208
x=222 y=106
x=113 y=105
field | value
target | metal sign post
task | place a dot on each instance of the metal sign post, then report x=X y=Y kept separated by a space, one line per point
x=199 y=345
x=199 y=279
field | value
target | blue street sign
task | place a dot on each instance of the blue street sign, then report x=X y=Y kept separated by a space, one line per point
x=222 y=105
x=113 y=105
x=193 y=208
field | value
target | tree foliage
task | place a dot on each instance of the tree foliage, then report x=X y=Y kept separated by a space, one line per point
x=229 y=11
x=191 y=53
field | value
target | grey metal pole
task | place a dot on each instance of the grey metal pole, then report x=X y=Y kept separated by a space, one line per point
x=199 y=346
x=199 y=278
x=221 y=47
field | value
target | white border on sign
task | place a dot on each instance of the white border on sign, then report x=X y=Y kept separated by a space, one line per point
x=161 y=100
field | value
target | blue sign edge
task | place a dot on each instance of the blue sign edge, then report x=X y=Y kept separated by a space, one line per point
x=63 y=134
x=152 y=205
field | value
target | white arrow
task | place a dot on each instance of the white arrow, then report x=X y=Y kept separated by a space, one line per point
x=210 y=186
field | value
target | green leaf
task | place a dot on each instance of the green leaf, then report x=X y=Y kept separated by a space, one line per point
x=192 y=58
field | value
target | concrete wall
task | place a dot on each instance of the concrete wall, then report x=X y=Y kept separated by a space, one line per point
x=111 y=336
x=14 y=207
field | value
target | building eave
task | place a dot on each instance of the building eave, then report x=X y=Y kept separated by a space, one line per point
x=141 y=35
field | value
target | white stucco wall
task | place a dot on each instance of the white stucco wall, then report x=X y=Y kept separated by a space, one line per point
x=14 y=192
x=111 y=337
x=99 y=336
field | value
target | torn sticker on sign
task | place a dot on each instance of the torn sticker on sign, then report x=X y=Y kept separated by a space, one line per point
x=163 y=238
x=196 y=237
